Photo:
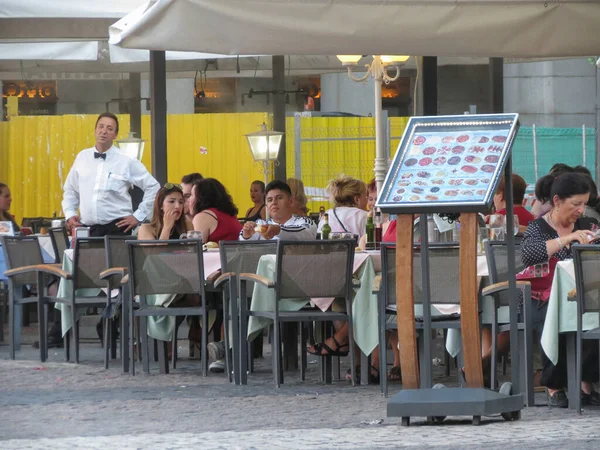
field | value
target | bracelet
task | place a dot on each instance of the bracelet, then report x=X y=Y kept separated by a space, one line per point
x=560 y=244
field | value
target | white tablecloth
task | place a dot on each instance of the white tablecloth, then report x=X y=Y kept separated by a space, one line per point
x=562 y=314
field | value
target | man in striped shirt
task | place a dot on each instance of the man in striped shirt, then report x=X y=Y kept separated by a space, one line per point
x=282 y=222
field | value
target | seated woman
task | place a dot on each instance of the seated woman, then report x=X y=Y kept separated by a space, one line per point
x=257 y=194
x=349 y=213
x=548 y=237
x=542 y=204
x=5 y=201
x=297 y=188
x=525 y=217
x=519 y=187
x=168 y=220
x=215 y=214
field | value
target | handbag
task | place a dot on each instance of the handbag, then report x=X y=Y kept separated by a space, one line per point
x=540 y=276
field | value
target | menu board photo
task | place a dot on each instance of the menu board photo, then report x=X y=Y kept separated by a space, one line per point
x=448 y=163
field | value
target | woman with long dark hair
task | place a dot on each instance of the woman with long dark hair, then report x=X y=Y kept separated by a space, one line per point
x=215 y=214
x=168 y=220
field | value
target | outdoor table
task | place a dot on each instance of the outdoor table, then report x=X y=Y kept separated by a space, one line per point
x=364 y=306
x=158 y=328
x=46 y=244
x=561 y=315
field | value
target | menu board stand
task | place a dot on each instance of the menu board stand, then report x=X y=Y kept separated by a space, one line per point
x=418 y=398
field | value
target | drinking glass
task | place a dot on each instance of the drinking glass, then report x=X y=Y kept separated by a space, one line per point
x=497 y=227
x=516 y=224
x=194 y=234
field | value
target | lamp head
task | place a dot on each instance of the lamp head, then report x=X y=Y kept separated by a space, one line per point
x=393 y=59
x=349 y=60
x=132 y=146
x=264 y=144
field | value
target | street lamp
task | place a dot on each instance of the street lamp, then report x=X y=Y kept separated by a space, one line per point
x=132 y=146
x=378 y=70
x=264 y=146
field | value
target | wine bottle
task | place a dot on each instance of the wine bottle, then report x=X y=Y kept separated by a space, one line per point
x=325 y=229
x=370 y=232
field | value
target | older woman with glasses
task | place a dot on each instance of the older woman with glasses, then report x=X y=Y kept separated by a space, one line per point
x=168 y=218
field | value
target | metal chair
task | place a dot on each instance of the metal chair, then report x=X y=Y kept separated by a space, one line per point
x=25 y=267
x=89 y=261
x=497 y=259
x=166 y=267
x=444 y=288
x=586 y=259
x=305 y=269
x=238 y=257
x=60 y=242
x=117 y=260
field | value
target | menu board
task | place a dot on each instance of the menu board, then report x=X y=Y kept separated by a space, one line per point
x=448 y=163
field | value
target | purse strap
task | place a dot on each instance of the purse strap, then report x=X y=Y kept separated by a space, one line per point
x=340 y=222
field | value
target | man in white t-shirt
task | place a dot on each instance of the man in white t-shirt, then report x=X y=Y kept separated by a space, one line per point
x=282 y=222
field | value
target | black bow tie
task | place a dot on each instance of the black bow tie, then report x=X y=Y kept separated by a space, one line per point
x=100 y=155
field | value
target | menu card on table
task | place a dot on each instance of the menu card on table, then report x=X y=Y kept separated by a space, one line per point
x=448 y=163
x=6 y=228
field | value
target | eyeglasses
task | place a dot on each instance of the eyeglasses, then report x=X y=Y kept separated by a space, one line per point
x=170 y=186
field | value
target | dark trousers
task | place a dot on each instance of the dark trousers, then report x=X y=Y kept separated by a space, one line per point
x=110 y=229
x=555 y=376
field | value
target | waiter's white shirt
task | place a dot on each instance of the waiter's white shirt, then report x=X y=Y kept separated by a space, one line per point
x=100 y=188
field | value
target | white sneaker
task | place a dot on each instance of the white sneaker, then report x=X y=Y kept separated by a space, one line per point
x=217 y=366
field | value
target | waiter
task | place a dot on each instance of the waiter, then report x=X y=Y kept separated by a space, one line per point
x=98 y=185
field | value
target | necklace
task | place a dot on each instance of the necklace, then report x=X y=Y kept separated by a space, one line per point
x=550 y=221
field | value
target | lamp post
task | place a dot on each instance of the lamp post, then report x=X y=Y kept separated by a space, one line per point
x=378 y=70
x=264 y=145
x=132 y=146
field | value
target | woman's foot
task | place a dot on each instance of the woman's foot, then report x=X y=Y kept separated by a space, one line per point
x=330 y=347
x=395 y=374
x=557 y=398
x=373 y=375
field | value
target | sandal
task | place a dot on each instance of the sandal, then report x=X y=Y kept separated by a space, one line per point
x=395 y=374
x=317 y=349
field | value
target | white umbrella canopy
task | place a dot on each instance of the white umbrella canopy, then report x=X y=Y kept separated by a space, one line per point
x=502 y=28
x=54 y=20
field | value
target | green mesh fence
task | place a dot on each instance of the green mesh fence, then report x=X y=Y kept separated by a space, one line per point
x=554 y=145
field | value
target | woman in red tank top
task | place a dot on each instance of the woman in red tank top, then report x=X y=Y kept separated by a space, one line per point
x=215 y=214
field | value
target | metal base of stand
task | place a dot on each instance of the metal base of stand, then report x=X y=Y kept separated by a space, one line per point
x=436 y=403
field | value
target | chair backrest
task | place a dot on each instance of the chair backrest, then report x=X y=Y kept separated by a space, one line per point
x=117 y=254
x=166 y=267
x=315 y=268
x=496 y=253
x=243 y=256
x=22 y=251
x=444 y=286
x=89 y=260
x=60 y=242
x=586 y=259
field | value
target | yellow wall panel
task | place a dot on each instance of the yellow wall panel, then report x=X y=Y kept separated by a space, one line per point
x=37 y=152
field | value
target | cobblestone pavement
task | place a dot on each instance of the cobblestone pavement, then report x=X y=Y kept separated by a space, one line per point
x=63 y=405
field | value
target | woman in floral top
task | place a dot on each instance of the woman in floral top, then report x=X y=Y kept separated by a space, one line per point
x=551 y=236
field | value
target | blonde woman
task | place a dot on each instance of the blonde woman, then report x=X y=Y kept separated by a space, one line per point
x=349 y=214
x=297 y=187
